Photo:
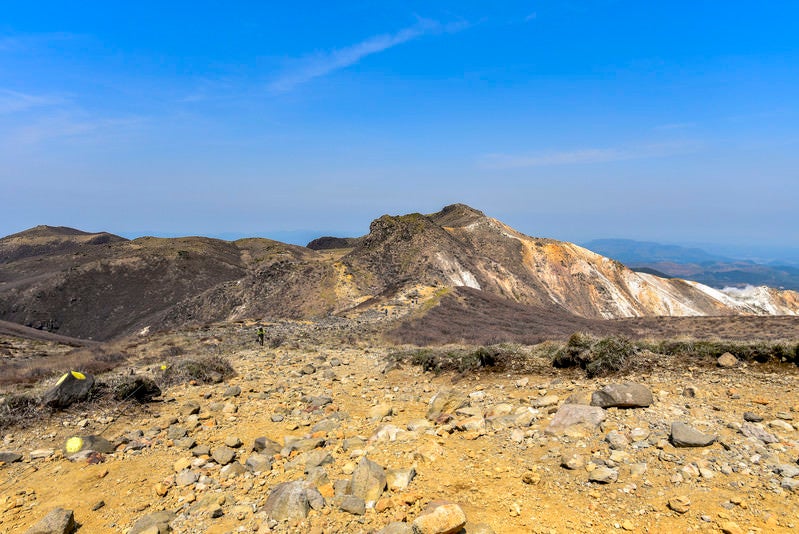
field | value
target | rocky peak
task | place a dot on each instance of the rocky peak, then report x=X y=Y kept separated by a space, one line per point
x=456 y=215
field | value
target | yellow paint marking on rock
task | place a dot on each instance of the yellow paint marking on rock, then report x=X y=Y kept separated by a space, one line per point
x=79 y=376
x=74 y=444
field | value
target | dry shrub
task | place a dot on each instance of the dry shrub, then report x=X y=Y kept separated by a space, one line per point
x=18 y=410
x=205 y=369
x=759 y=351
x=495 y=358
x=597 y=356
x=93 y=361
x=171 y=351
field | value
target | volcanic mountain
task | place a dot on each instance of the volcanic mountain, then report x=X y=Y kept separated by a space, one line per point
x=101 y=286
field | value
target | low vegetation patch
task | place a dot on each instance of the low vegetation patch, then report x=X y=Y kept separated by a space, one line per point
x=618 y=354
x=504 y=357
x=597 y=356
x=758 y=351
x=205 y=369
x=18 y=410
x=29 y=371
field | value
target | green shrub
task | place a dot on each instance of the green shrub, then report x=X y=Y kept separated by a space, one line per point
x=461 y=360
x=576 y=352
x=597 y=356
x=610 y=355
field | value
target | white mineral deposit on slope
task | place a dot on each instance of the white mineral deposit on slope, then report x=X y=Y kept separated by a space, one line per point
x=456 y=273
x=759 y=298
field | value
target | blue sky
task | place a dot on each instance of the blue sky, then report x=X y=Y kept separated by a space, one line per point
x=669 y=121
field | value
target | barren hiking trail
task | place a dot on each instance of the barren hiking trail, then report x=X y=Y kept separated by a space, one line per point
x=483 y=441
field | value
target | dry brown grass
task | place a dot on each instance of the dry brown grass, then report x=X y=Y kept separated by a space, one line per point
x=473 y=317
x=92 y=360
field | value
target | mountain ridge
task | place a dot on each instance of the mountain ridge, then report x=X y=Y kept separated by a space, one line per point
x=98 y=286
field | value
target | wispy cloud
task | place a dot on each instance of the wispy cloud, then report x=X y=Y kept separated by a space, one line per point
x=498 y=161
x=64 y=125
x=14 y=101
x=309 y=68
x=24 y=42
x=676 y=126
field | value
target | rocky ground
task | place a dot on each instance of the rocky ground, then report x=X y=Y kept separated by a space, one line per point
x=316 y=437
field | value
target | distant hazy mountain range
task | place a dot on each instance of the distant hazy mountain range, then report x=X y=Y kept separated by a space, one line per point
x=698 y=265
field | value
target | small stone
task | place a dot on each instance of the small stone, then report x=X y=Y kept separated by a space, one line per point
x=727 y=360
x=368 y=480
x=787 y=470
x=603 y=475
x=572 y=460
x=155 y=522
x=288 y=502
x=232 y=391
x=730 y=527
x=399 y=479
x=354 y=505
x=190 y=408
x=185 y=443
x=627 y=395
x=186 y=478
x=779 y=424
x=233 y=442
x=531 y=477
x=680 y=504
x=181 y=464
x=616 y=440
x=380 y=412
x=259 y=463
x=545 y=402
x=57 y=521
x=223 y=455
x=790 y=484
x=752 y=430
x=683 y=435
x=232 y=469
x=440 y=518
x=570 y=415
x=10 y=457
x=752 y=417
x=176 y=432
x=200 y=450
x=39 y=454
x=396 y=527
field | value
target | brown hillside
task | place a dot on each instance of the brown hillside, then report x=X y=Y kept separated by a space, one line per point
x=101 y=286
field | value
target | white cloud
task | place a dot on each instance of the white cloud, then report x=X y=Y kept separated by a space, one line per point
x=676 y=126
x=68 y=126
x=498 y=161
x=13 y=101
x=309 y=68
